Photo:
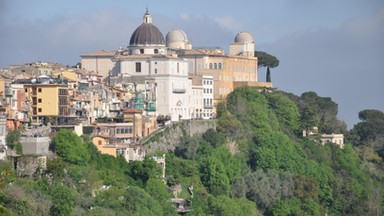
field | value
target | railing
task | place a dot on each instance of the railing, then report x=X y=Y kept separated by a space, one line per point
x=179 y=90
x=208 y=106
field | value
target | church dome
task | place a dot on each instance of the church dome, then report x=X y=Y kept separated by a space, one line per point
x=176 y=35
x=147 y=33
x=244 y=37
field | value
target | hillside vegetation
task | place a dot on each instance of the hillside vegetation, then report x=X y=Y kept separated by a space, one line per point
x=256 y=162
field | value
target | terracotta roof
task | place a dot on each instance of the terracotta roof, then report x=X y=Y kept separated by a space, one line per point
x=132 y=111
x=102 y=136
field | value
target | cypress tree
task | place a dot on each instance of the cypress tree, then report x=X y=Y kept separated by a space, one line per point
x=268 y=75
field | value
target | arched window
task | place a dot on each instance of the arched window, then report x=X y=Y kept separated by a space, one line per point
x=210 y=66
x=215 y=65
x=219 y=65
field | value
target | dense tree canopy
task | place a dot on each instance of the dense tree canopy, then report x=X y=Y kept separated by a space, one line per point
x=71 y=148
x=369 y=133
x=254 y=161
x=266 y=60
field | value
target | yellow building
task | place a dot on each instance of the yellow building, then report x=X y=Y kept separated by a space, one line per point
x=225 y=69
x=103 y=146
x=47 y=101
x=67 y=74
x=118 y=139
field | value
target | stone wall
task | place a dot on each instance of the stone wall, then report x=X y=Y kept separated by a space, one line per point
x=166 y=139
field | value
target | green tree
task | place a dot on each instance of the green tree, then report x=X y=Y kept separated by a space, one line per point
x=7 y=174
x=188 y=147
x=370 y=130
x=266 y=60
x=268 y=79
x=71 y=147
x=308 y=120
x=13 y=141
x=324 y=110
x=265 y=188
x=226 y=206
x=213 y=175
x=286 y=111
x=63 y=201
x=138 y=202
x=56 y=167
x=142 y=171
x=159 y=191
x=213 y=137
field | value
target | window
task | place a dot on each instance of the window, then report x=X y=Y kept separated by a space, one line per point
x=155 y=70
x=156 y=51
x=215 y=66
x=40 y=110
x=26 y=90
x=219 y=65
x=39 y=90
x=138 y=67
x=99 y=142
x=210 y=65
x=141 y=51
x=39 y=100
x=178 y=67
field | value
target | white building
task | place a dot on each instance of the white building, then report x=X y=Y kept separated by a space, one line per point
x=163 y=78
x=337 y=139
x=207 y=83
x=3 y=135
x=196 y=98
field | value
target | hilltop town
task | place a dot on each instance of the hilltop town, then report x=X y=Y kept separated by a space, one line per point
x=153 y=127
x=121 y=96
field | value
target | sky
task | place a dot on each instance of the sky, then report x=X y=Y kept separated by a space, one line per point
x=334 y=47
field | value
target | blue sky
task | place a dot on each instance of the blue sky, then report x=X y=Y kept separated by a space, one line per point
x=335 y=48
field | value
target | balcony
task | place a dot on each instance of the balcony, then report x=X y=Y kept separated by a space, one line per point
x=208 y=106
x=178 y=88
x=114 y=107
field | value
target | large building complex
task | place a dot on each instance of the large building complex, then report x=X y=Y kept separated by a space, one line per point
x=175 y=79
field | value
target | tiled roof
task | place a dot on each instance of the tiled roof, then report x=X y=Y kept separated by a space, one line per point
x=132 y=111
